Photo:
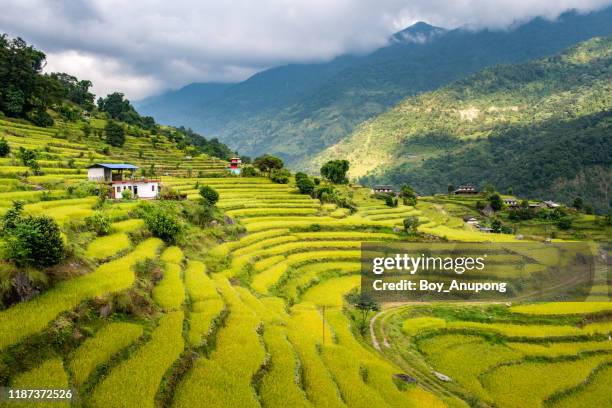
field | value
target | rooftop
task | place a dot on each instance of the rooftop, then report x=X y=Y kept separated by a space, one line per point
x=114 y=166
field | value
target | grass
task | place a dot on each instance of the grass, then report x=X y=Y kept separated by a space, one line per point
x=414 y=326
x=528 y=384
x=225 y=378
x=519 y=330
x=97 y=350
x=48 y=375
x=27 y=318
x=169 y=293
x=128 y=225
x=331 y=291
x=172 y=254
x=268 y=277
x=560 y=349
x=280 y=385
x=201 y=319
x=594 y=394
x=135 y=381
x=107 y=246
x=465 y=358
x=562 y=308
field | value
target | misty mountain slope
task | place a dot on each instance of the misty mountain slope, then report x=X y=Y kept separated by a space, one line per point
x=298 y=110
x=539 y=127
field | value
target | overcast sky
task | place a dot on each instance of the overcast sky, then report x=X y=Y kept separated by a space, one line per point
x=143 y=47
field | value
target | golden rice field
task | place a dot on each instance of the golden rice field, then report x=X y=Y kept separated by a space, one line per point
x=260 y=321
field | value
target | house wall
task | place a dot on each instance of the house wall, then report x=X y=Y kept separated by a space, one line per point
x=95 y=174
x=145 y=190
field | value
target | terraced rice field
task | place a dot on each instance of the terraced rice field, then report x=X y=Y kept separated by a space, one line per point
x=260 y=320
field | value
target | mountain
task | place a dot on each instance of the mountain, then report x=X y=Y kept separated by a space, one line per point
x=298 y=110
x=542 y=128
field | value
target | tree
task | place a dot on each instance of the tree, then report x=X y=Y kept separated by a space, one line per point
x=408 y=194
x=5 y=149
x=27 y=156
x=267 y=163
x=35 y=241
x=578 y=203
x=496 y=202
x=335 y=171
x=363 y=302
x=450 y=188
x=115 y=136
x=209 y=195
x=12 y=216
x=564 y=223
x=496 y=226
x=410 y=224
x=280 y=176
x=304 y=183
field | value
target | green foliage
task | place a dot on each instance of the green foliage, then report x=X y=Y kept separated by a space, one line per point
x=408 y=195
x=304 y=183
x=75 y=90
x=496 y=202
x=115 y=135
x=335 y=171
x=365 y=303
x=248 y=171
x=162 y=221
x=410 y=224
x=41 y=118
x=27 y=156
x=267 y=163
x=209 y=195
x=118 y=108
x=564 y=223
x=5 y=149
x=35 y=241
x=126 y=194
x=99 y=222
x=280 y=176
x=539 y=127
x=12 y=216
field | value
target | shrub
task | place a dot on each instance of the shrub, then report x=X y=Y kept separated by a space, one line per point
x=267 y=163
x=249 y=171
x=564 y=223
x=411 y=224
x=5 y=149
x=99 y=222
x=163 y=223
x=304 y=184
x=280 y=176
x=168 y=193
x=12 y=216
x=41 y=118
x=35 y=241
x=408 y=195
x=126 y=194
x=209 y=195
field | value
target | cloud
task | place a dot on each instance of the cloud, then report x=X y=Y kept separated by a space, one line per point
x=142 y=47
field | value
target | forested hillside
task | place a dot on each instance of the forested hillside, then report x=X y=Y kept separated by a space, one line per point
x=296 y=111
x=540 y=128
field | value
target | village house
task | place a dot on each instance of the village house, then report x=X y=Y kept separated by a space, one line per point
x=468 y=219
x=113 y=175
x=511 y=202
x=549 y=204
x=235 y=166
x=382 y=190
x=466 y=189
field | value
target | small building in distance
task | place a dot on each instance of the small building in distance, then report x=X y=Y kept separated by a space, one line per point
x=466 y=189
x=113 y=175
x=549 y=204
x=468 y=219
x=511 y=202
x=235 y=166
x=382 y=190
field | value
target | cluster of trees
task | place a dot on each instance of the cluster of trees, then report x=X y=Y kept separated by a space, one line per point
x=117 y=107
x=335 y=171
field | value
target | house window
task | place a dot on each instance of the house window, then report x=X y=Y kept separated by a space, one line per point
x=118 y=189
x=124 y=187
x=152 y=187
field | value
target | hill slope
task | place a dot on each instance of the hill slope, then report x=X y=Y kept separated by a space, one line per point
x=296 y=111
x=549 y=117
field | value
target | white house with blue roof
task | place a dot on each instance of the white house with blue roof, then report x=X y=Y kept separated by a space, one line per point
x=121 y=177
